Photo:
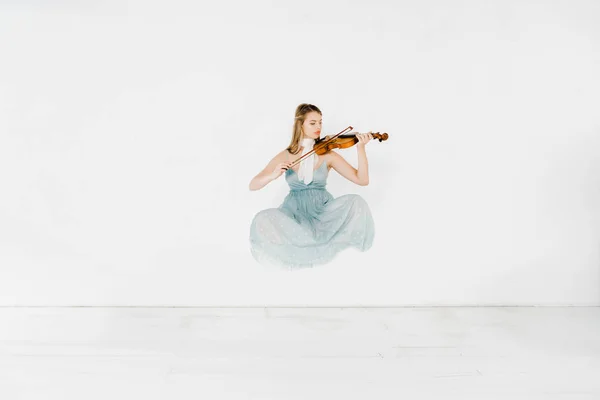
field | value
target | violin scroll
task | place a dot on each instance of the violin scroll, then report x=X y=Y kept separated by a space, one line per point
x=380 y=136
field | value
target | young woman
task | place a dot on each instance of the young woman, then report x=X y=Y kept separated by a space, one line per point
x=311 y=226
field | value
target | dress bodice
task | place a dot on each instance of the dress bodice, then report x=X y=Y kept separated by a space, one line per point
x=319 y=178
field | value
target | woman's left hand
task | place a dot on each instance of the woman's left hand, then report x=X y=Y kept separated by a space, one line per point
x=363 y=138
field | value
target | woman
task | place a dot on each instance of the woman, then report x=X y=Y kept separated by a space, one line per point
x=311 y=226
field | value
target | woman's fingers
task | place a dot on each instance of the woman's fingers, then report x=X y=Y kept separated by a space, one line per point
x=364 y=137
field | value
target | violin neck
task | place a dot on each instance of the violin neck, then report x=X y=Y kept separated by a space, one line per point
x=345 y=135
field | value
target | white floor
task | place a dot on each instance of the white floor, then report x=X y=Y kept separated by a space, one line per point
x=300 y=353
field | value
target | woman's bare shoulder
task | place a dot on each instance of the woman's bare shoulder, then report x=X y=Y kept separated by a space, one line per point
x=283 y=156
x=333 y=158
x=287 y=156
x=330 y=156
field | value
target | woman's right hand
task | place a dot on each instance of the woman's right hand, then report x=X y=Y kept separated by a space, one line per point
x=280 y=169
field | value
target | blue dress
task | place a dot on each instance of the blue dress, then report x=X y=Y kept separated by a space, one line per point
x=310 y=227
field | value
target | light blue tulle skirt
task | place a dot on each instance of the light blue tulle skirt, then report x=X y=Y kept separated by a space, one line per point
x=310 y=227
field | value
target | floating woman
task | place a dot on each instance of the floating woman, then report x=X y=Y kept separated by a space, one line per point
x=311 y=227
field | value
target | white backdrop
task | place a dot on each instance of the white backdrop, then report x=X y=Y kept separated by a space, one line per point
x=130 y=131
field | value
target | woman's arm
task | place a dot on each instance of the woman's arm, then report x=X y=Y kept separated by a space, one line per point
x=272 y=171
x=363 y=165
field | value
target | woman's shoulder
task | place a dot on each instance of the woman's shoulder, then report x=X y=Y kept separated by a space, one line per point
x=333 y=158
x=283 y=156
x=331 y=155
x=286 y=155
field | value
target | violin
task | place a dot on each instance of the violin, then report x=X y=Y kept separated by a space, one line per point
x=338 y=141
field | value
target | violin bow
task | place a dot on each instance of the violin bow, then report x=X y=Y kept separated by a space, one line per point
x=320 y=144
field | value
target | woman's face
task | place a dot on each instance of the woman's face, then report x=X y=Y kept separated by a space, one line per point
x=312 y=125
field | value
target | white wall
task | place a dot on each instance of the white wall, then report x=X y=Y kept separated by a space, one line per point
x=129 y=133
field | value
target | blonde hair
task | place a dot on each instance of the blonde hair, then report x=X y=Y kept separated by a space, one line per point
x=299 y=119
